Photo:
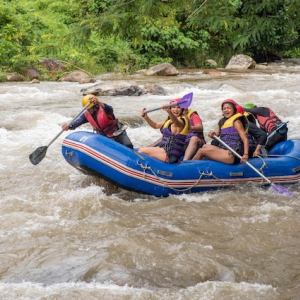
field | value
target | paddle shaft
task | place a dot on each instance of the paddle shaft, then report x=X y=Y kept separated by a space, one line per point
x=40 y=152
x=158 y=108
x=184 y=102
x=236 y=154
x=69 y=123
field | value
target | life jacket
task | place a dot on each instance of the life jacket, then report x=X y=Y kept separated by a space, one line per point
x=249 y=117
x=199 y=134
x=174 y=144
x=268 y=124
x=231 y=136
x=105 y=124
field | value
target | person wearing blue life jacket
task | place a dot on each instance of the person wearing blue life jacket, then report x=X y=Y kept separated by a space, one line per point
x=101 y=116
x=231 y=130
x=174 y=130
x=269 y=122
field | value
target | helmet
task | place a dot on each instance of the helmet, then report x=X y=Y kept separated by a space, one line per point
x=174 y=100
x=87 y=100
x=239 y=109
x=228 y=101
x=250 y=105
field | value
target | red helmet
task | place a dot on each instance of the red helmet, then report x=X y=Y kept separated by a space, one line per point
x=239 y=109
x=174 y=100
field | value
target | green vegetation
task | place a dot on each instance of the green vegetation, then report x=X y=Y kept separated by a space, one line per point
x=121 y=35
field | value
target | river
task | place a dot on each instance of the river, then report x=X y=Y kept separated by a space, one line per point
x=66 y=235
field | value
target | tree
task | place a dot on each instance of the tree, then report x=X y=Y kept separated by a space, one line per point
x=252 y=25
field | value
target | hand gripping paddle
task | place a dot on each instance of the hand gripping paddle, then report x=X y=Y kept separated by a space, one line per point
x=278 y=188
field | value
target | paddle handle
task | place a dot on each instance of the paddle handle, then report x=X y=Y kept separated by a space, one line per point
x=81 y=112
x=236 y=154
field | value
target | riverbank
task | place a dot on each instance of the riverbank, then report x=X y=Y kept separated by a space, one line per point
x=53 y=70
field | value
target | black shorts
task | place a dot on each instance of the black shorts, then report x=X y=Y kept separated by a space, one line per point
x=123 y=139
x=237 y=160
x=275 y=139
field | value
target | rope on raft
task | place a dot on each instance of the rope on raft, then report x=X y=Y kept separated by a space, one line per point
x=144 y=168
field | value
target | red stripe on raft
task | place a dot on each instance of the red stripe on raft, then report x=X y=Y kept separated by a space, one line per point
x=165 y=182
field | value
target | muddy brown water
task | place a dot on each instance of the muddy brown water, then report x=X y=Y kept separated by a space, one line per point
x=65 y=235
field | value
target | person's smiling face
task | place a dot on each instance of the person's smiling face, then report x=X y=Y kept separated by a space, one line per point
x=176 y=110
x=227 y=110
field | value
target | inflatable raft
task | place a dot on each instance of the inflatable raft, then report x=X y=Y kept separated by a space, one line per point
x=95 y=154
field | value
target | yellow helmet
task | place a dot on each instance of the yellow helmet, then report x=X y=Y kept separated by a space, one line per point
x=87 y=99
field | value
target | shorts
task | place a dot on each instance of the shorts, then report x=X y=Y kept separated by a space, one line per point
x=236 y=160
x=275 y=139
x=123 y=139
x=172 y=159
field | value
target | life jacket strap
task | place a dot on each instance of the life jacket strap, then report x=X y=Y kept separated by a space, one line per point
x=281 y=128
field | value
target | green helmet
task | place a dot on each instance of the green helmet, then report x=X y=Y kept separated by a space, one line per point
x=249 y=105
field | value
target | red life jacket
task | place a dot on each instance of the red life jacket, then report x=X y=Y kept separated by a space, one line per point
x=268 y=124
x=198 y=134
x=105 y=124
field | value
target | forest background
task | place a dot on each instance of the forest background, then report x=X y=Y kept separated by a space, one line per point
x=126 y=35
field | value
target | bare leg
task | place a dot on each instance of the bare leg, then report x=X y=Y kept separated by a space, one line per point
x=199 y=155
x=191 y=148
x=155 y=152
x=214 y=153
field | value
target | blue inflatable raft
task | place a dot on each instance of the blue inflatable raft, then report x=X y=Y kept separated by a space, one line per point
x=95 y=154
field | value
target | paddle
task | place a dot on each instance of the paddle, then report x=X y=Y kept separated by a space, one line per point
x=36 y=156
x=278 y=188
x=184 y=102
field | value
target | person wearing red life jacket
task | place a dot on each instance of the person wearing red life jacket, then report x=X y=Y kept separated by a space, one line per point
x=195 y=138
x=101 y=116
x=269 y=122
